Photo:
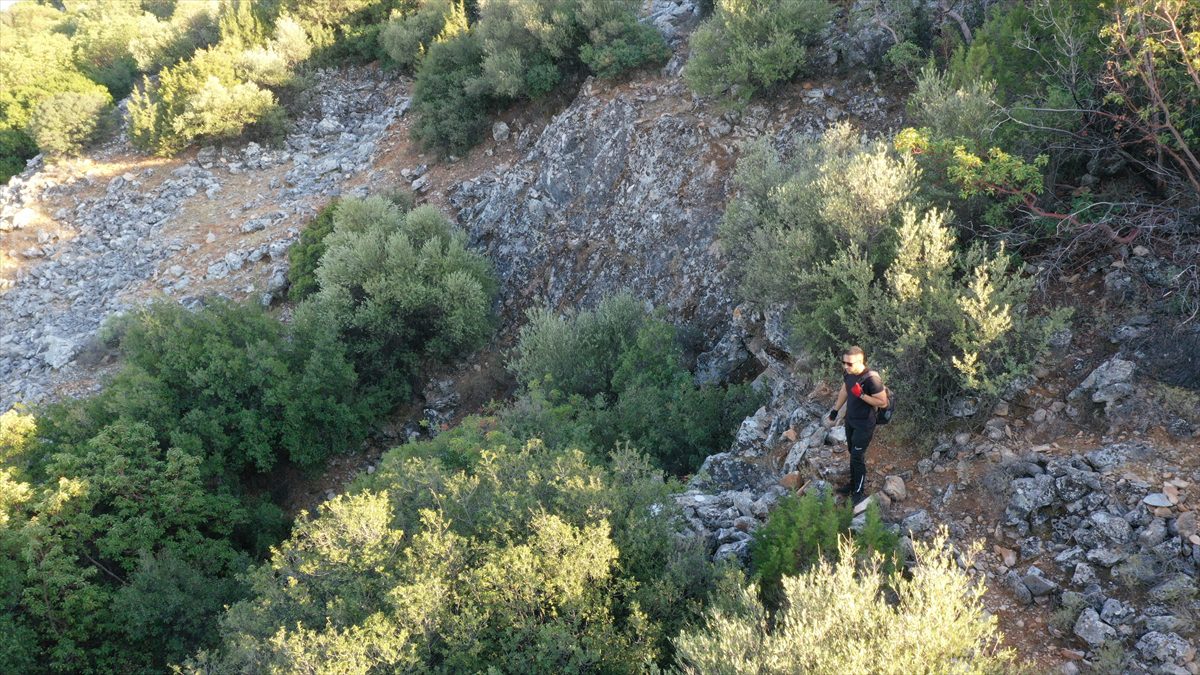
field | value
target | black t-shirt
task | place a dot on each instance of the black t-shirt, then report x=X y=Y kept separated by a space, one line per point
x=859 y=413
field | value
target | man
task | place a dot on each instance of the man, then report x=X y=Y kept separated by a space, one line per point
x=863 y=395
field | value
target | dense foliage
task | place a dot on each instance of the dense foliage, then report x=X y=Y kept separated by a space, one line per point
x=530 y=558
x=617 y=373
x=514 y=50
x=127 y=518
x=90 y=51
x=747 y=46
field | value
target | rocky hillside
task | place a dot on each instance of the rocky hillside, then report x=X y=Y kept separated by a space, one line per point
x=1081 y=488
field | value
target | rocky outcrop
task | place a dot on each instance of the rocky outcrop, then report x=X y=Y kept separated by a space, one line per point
x=1127 y=551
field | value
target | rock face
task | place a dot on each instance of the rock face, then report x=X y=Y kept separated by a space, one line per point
x=122 y=242
x=607 y=200
x=626 y=192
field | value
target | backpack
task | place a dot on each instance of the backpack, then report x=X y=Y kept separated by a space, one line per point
x=882 y=415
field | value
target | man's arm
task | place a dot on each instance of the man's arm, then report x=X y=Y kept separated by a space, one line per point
x=879 y=400
x=841 y=399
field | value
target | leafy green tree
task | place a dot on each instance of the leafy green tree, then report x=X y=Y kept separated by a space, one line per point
x=532 y=559
x=746 y=47
x=118 y=498
x=399 y=287
x=407 y=38
x=450 y=106
x=203 y=98
x=65 y=124
x=33 y=69
x=790 y=213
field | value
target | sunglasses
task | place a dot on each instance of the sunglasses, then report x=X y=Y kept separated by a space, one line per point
x=847 y=363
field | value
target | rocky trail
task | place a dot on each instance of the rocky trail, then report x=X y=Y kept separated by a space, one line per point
x=1082 y=490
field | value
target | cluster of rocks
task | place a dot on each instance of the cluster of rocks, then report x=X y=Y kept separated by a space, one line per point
x=107 y=252
x=1119 y=551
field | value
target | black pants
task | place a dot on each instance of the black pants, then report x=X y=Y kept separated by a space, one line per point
x=858 y=438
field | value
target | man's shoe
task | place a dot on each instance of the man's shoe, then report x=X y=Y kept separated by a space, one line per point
x=845 y=489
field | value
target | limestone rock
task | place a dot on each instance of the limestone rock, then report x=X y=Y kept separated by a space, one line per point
x=1091 y=629
x=59 y=351
x=893 y=487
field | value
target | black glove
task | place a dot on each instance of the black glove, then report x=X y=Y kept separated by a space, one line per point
x=832 y=415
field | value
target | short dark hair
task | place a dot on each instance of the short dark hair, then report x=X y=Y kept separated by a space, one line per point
x=855 y=350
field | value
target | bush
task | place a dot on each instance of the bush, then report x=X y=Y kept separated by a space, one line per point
x=32 y=70
x=616 y=375
x=407 y=38
x=636 y=45
x=789 y=214
x=100 y=46
x=838 y=617
x=577 y=354
x=116 y=502
x=948 y=111
x=840 y=233
x=804 y=531
x=450 y=107
x=945 y=322
x=204 y=98
x=398 y=287
x=192 y=26
x=745 y=47
x=65 y=124
x=305 y=255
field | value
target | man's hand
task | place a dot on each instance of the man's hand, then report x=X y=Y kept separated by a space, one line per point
x=856 y=389
x=830 y=419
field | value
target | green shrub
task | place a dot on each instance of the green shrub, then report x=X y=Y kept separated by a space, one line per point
x=207 y=97
x=305 y=254
x=398 y=287
x=450 y=107
x=636 y=45
x=839 y=232
x=192 y=26
x=939 y=322
x=616 y=375
x=745 y=46
x=839 y=617
x=213 y=382
x=33 y=69
x=407 y=38
x=65 y=124
x=949 y=111
x=577 y=354
x=100 y=46
x=803 y=531
x=791 y=213
x=93 y=592
x=1029 y=50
